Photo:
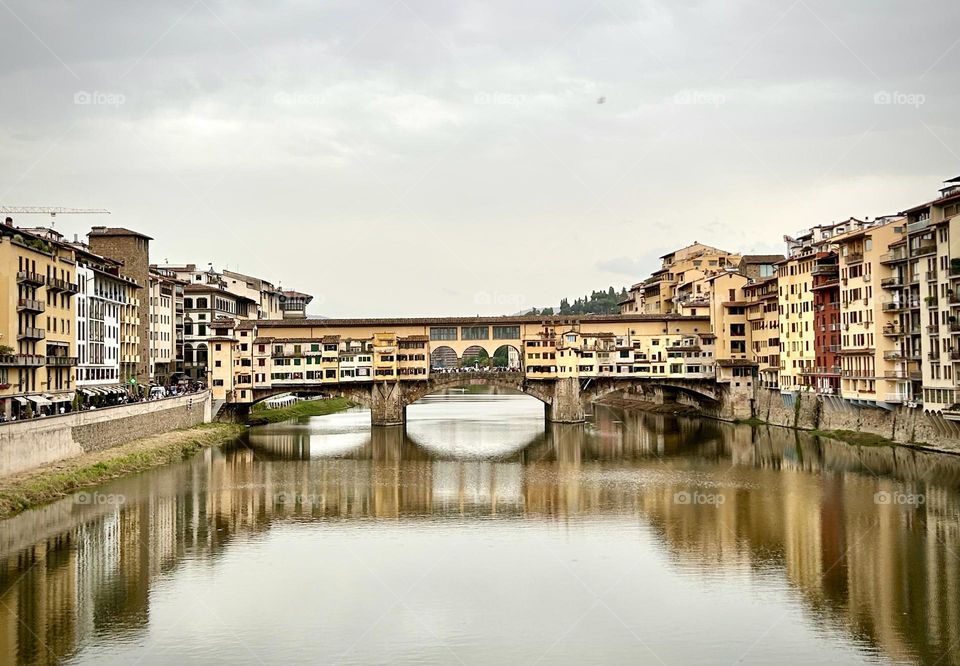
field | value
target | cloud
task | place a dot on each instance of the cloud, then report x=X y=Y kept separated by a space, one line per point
x=368 y=143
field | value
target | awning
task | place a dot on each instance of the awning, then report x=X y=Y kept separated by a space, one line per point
x=20 y=399
x=87 y=391
x=59 y=397
x=38 y=400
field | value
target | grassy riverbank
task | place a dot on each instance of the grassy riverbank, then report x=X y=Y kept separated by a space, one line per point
x=298 y=410
x=50 y=483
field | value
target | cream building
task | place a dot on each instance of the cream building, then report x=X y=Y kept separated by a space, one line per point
x=873 y=364
x=37 y=323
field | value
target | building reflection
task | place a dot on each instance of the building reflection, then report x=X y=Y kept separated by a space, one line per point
x=795 y=505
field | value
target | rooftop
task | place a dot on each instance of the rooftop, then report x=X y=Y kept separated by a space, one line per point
x=116 y=231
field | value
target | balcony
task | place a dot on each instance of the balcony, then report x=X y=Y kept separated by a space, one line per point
x=893 y=331
x=897 y=398
x=933 y=328
x=898 y=306
x=893 y=257
x=913 y=278
x=931 y=276
x=895 y=355
x=33 y=279
x=56 y=284
x=21 y=361
x=924 y=249
x=896 y=374
x=62 y=361
x=30 y=305
x=891 y=282
x=854 y=258
x=931 y=301
x=31 y=333
x=825 y=269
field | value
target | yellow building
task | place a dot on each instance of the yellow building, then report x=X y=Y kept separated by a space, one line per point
x=797 y=337
x=874 y=364
x=37 y=349
x=763 y=320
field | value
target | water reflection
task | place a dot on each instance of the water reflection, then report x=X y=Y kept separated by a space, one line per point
x=802 y=532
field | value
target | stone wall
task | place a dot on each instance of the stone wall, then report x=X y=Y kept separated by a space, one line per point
x=28 y=444
x=810 y=411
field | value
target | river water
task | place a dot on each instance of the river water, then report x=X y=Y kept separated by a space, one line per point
x=480 y=535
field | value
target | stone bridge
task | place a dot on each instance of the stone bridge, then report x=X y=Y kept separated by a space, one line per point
x=563 y=398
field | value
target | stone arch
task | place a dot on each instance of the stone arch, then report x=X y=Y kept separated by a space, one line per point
x=443 y=357
x=513 y=355
x=474 y=354
x=510 y=380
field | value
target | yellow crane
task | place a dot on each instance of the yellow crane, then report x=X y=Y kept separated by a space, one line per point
x=52 y=211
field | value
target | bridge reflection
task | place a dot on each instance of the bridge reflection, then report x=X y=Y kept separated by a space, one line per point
x=795 y=505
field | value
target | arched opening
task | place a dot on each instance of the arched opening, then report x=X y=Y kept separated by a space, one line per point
x=476 y=357
x=507 y=357
x=443 y=357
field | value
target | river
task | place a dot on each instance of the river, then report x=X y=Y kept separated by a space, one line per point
x=482 y=535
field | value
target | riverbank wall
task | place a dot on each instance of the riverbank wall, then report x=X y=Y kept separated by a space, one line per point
x=811 y=411
x=25 y=445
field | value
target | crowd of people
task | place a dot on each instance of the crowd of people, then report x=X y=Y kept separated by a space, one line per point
x=474 y=368
x=154 y=392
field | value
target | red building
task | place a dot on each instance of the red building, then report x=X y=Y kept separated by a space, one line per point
x=826 y=323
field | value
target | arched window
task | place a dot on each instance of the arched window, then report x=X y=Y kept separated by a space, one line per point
x=202 y=354
x=187 y=354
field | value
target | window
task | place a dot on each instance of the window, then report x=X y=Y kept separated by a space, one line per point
x=443 y=333
x=475 y=332
x=506 y=332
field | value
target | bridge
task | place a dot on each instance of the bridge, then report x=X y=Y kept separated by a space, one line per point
x=388 y=364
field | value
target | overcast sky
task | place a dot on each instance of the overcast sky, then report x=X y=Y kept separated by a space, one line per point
x=437 y=157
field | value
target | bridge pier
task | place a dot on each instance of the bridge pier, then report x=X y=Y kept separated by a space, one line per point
x=387 y=407
x=566 y=406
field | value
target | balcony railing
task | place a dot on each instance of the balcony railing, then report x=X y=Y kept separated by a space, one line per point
x=854 y=258
x=893 y=306
x=62 y=361
x=21 y=360
x=56 y=284
x=896 y=398
x=894 y=331
x=891 y=282
x=931 y=275
x=896 y=374
x=892 y=257
x=28 y=277
x=31 y=305
x=925 y=248
x=933 y=328
x=31 y=333
x=895 y=355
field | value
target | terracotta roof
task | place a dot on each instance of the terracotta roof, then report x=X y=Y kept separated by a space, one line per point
x=761 y=258
x=438 y=321
x=116 y=231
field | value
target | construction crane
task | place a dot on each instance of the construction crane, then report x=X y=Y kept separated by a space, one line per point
x=52 y=211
